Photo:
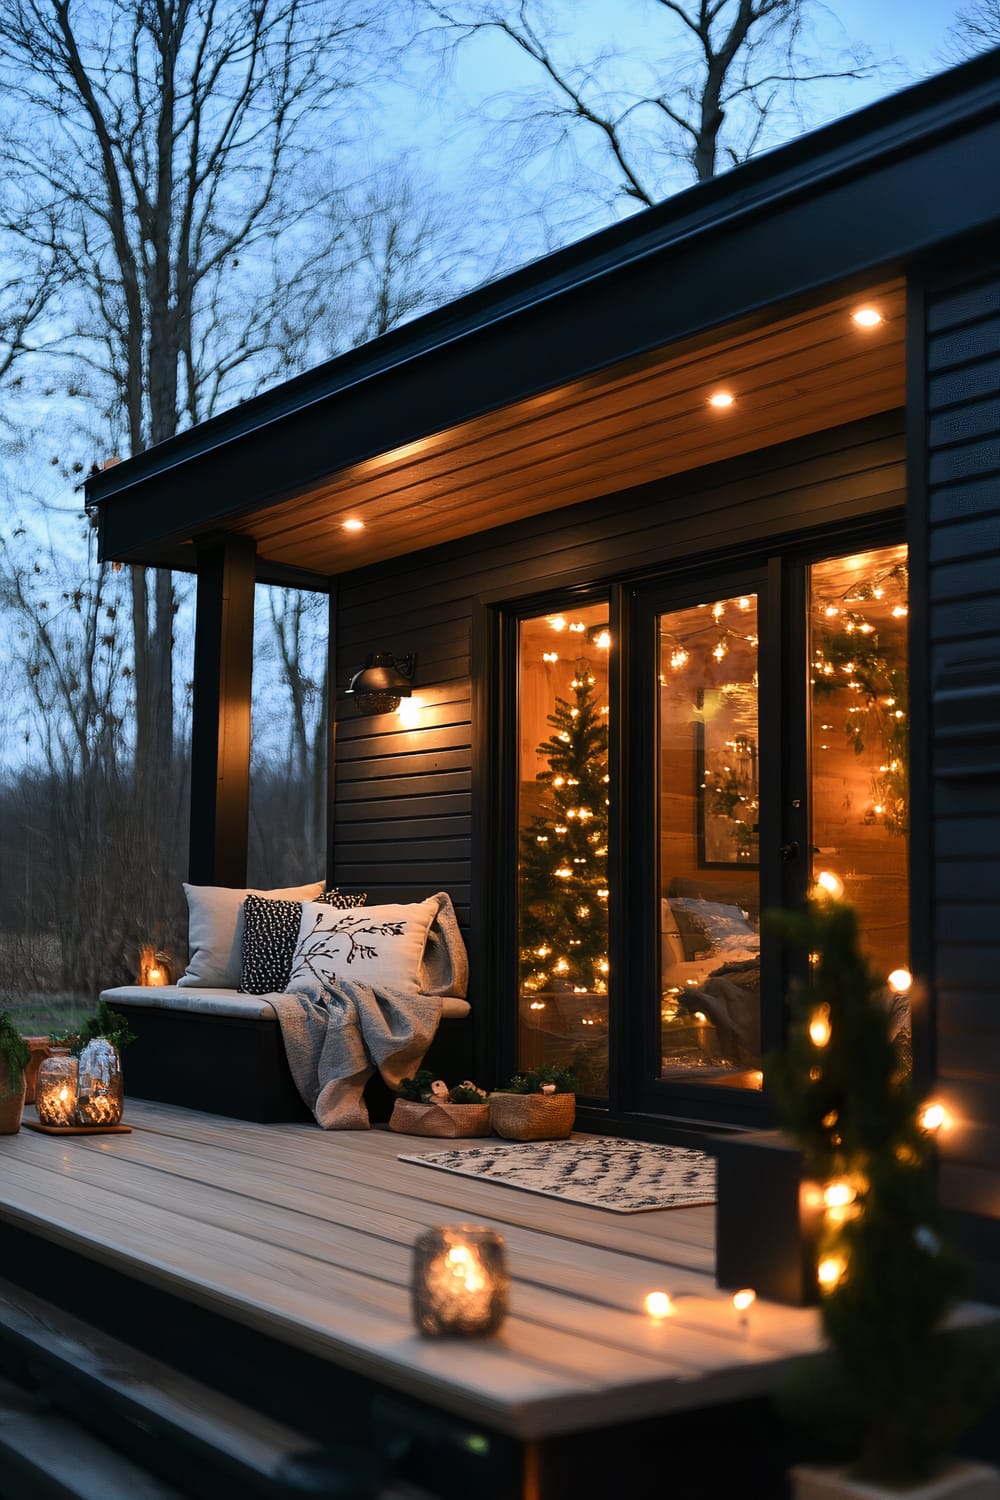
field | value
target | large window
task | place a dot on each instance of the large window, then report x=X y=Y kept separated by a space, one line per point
x=859 y=729
x=563 y=794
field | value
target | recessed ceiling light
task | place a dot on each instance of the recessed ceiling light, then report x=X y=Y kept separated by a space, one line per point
x=721 y=399
x=353 y=524
x=867 y=317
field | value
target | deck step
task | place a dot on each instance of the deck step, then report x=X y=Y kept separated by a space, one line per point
x=44 y=1456
x=164 y=1426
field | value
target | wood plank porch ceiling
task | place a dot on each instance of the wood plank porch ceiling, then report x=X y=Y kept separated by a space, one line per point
x=627 y=425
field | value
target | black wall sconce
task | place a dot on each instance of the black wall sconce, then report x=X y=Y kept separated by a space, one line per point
x=382 y=682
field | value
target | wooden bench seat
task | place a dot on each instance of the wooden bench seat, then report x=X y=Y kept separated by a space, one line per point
x=221 y=1051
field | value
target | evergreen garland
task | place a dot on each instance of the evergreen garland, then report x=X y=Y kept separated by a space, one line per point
x=564 y=851
x=16 y=1050
x=896 y=1389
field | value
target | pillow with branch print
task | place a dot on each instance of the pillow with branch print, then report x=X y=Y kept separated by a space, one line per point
x=270 y=933
x=382 y=946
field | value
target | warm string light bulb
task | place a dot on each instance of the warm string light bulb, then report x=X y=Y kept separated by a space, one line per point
x=658 y=1305
x=819 y=1025
x=828 y=884
x=935 y=1116
x=831 y=1271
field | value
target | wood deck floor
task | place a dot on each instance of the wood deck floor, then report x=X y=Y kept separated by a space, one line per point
x=306 y=1236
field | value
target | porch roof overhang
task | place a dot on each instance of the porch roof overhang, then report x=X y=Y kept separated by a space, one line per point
x=588 y=371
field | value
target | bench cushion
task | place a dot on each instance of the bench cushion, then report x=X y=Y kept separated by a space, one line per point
x=219 y=1001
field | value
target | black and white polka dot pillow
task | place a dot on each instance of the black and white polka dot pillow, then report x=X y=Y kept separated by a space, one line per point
x=270 y=932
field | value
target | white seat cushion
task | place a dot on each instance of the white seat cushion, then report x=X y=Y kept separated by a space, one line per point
x=226 y=1002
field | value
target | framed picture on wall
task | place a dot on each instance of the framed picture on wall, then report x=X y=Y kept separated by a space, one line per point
x=727 y=775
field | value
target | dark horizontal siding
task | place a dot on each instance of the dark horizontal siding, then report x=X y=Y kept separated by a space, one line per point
x=963 y=592
x=402 y=803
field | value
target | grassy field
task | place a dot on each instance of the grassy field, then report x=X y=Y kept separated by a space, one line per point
x=29 y=986
x=41 y=1015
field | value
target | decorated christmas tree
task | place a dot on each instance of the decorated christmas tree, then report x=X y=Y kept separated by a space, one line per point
x=564 y=850
x=898 y=1385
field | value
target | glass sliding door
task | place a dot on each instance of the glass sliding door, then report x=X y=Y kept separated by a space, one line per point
x=763 y=741
x=708 y=820
x=562 y=827
x=859 y=732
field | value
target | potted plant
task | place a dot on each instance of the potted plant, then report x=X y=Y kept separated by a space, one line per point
x=901 y=1379
x=14 y=1057
x=425 y=1105
x=538 y=1105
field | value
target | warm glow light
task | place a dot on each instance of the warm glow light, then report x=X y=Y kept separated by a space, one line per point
x=603 y=640
x=353 y=524
x=721 y=399
x=935 y=1116
x=830 y=1272
x=867 y=317
x=819 y=1026
x=557 y=622
x=830 y=884
x=744 y=1298
x=838 y=1194
x=658 y=1304
x=900 y=981
x=409 y=711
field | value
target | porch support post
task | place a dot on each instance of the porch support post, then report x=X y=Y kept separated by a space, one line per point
x=220 y=730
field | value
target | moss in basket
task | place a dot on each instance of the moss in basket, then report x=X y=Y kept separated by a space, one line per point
x=564 y=1080
x=418 y=1090
x=897 y=1385
x=15 y=1049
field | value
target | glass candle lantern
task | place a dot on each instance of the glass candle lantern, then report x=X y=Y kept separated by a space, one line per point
x=460 y=1281
x=155 y=969
x=55 y=1090
x=100 y=1094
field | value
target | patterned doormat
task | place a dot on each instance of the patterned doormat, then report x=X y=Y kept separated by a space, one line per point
x=627 y=1177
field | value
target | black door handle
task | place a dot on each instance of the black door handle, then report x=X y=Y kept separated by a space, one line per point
x=789 y=852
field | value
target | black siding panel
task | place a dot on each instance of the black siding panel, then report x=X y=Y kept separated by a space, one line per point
x=963 y=595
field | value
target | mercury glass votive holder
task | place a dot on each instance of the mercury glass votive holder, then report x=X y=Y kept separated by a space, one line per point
x=55 y=1090
x=460 y=1282
x=100 y=1097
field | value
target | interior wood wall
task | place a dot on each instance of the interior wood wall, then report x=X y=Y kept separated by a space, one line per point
x=962 y=423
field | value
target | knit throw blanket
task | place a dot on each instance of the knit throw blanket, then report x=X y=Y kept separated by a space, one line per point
x=337 y=1034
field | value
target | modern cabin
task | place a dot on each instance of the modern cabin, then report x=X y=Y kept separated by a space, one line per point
x=687 y=539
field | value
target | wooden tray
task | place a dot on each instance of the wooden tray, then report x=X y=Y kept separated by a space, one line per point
x=76 y=1129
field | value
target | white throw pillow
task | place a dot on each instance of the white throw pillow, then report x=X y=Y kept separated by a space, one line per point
x=378 y=945
x=215 y=930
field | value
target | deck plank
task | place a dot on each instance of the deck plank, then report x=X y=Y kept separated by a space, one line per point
x=307 y=1236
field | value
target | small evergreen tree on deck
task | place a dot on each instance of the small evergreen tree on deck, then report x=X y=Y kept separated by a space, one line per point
x=564 y=851
x=898 y=1387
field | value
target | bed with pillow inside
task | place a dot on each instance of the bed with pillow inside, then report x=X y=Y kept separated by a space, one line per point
x=213 y=1042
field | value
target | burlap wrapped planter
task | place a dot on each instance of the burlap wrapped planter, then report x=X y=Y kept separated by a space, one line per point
x=445 y=1121
x=532 y=1117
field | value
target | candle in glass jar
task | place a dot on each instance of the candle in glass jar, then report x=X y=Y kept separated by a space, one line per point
x=55 y=1091
x=460 y=1281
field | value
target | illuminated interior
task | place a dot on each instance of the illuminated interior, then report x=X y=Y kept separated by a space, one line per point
x=563 y=835
x=708 y=795
x=859 y=727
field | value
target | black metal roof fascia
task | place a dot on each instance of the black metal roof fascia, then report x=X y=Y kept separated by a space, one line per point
x=893 y=128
